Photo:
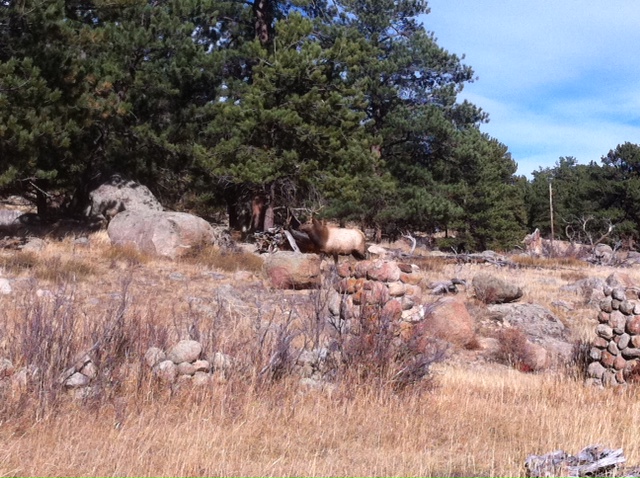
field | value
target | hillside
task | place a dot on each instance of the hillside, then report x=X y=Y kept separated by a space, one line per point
x=470 y=416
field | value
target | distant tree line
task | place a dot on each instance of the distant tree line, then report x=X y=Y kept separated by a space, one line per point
x=346 y=104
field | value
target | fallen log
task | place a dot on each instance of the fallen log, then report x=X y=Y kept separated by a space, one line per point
x=594 y=460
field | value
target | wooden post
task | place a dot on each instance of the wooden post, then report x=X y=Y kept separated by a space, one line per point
x=551 y=215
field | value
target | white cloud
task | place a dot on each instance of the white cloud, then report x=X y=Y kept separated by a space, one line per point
x=557 y=78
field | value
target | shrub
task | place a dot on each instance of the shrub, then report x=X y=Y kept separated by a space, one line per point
x=514 y=350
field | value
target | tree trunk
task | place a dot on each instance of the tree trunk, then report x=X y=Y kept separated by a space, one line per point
x=263 y=13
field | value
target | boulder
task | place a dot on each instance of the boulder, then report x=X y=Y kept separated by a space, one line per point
x=292 y=270
x=448 y=319
x=5 y=286
x=491 y=290
x=538 y=325
x=168 y=234
x=184 y=351
x=9 y=217
x=119 y=194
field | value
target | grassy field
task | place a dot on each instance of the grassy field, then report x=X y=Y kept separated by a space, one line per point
x=472 y=418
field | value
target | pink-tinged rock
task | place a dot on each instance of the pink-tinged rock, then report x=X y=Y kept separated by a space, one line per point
x=635 y=341
x=184 y=351
x=603 y=317
x=606 y=304
x=349 y=285
x=345 y=269
x=201 y=365
x=361 y=268
x=633 y=325
x=631 y=353
x=617 y=321
x=449 y=320
x=167 y=371
x=396 y=289
x=413 y=279
x=607 y=359
x=536 y=357
x=377 y=293
x=392 y=310
x=186 y=368
x=384 y=271
x=619 y=363
x=154 y=356
x=600 y=343
x=290 y=270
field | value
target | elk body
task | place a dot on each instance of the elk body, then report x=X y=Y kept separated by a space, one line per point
x=335 y=241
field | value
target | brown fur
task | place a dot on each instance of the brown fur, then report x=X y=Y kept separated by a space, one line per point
x=335 y=241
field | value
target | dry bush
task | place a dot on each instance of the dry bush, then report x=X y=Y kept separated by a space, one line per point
x=548 y=262
x=375 y=353
x=54 y=269
x=128 y=254
x=19 y=261
x=231 y=261
x=573 y=276
x=580 y=360
x=431 y=264
x=513 y=350
x=59 y=270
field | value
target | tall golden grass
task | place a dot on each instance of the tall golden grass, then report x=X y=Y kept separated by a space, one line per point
x=474 y=419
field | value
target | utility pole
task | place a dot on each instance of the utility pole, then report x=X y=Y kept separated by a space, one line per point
x=551 y=214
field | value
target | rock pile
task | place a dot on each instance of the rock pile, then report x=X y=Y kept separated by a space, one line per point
x=389 y=286
x=616 y=349
x=80 y=374
x=183 y=363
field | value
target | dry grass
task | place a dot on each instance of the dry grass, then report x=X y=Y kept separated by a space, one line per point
x=473 y=420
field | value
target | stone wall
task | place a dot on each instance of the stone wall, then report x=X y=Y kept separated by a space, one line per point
x=616 y=349
x=366 y=286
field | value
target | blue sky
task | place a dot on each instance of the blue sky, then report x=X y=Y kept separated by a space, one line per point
x=558 y=78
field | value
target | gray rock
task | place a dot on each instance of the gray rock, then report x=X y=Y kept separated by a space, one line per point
x=202 y=366
x=89 y=370
x=5 y=286
x=8 y=217
x=201 y=379
x=186 y=368
x=119 y=194
x=626 y=307
x=595 y=370
x=154 y=356
x=618 y=294
x=167 y=371
x=539 y=325
x=77 y=380
x=491 y=290
x=604 y=331
x=168 y=234
x=34 y=244
x=184 y=351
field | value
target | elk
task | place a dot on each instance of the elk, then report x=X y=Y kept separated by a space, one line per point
x=335 y=241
